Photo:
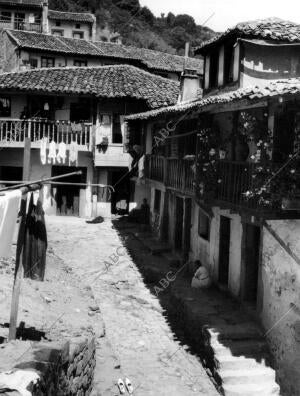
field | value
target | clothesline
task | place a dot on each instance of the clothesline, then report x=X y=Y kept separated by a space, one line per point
x=65 y=184
x=40 y=181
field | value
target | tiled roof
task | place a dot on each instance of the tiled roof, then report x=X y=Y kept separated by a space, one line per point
x=23 y=3
x=273 y=29
x=152 y=60
x=71 y=16
x=115 y=81
x=275 y=88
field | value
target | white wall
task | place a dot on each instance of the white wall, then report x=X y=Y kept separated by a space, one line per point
x=280 y=289
x=208 y=252
x=69 y=27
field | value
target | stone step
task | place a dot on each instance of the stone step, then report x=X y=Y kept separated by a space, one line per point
x=251 y=390
x=261 y=375
x=243 y=331
x=238 y=347
x=236 y=363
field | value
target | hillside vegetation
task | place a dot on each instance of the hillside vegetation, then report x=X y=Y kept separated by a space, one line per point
x=138 y=26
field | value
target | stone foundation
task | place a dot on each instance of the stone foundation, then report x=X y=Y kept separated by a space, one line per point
x=65 y=369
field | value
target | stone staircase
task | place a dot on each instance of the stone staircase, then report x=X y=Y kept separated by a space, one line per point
x=230 y=343
x=239 y=361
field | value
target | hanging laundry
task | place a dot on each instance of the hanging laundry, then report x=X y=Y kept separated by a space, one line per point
x=43 y=150
x=62 y=153
x=9 y=208
x=73 y=154
x=35 y=244
x=52 y=152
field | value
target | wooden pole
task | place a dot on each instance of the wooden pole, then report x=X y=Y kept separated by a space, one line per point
x=19 y=270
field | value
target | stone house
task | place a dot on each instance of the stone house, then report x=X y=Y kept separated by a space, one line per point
x=83 y=108
x=34 y=15
x=21 y=50
x=221 y=174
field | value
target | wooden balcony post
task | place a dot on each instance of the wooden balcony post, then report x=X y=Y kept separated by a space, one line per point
x=29 y=130
x=165 y=171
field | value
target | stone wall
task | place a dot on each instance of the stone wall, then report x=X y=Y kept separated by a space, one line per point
x=64 y=368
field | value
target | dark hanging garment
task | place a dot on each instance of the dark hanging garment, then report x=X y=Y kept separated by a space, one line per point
x=34 y=255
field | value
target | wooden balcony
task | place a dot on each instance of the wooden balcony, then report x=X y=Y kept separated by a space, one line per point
x=14 y=131
x=175 y=173
x=20 y=25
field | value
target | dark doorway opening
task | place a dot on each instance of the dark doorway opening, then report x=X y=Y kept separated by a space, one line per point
x=11 y=173
x=67 y=196
x=251 y=262
x=179 y=223
x=120 y=198
x=224 y=250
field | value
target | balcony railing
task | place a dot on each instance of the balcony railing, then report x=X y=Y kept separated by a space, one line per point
x=19 y=25
x=155 y=167
x=175 y=173
x=236 y=179
x=13 y=133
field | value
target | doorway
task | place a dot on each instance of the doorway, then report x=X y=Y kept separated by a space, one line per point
x=178 y=242
x=120 y=197
x=224 y=250
x=251 y=249
x=67 y=196
x=11 y=173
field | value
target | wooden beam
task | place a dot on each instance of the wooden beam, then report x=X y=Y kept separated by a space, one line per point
x=19 y=270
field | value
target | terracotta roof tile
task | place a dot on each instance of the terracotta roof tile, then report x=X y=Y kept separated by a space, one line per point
x=152 y=60
x=275 y=88
x=272 y=29
x=71 y=16
x=23 y=3
x=115 y=81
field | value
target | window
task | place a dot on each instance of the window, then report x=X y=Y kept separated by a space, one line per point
x=77 y=26
x=228 y=63
x=58 y=33
x=5 y=16
x=80 y=63
x=57 y=23
x=5 y=106
x=157 y=199
x=33 y=63
x=78 y=35
x=203 y=225
x=213 y=70
x=116 y=129
x=47 y=62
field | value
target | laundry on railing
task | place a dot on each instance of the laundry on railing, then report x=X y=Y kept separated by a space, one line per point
x=62 y=153
x=52 y=152
x=43 y=150
x=73 y=154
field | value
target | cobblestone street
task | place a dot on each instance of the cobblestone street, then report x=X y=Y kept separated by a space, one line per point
x=138 y=343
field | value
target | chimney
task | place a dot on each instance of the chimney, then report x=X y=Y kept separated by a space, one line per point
x=189 y=85
x=45 y=22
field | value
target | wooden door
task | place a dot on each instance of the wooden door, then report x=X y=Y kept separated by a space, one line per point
x=224 y=250
x=251 y=262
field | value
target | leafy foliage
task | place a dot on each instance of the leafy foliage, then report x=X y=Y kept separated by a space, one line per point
x=138 y=26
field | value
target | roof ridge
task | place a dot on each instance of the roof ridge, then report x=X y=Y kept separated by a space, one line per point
x=72 y=12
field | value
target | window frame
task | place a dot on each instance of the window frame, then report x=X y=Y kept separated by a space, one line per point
x=5 y=18
x=47 y=59
x=55 y=31
x=8 y=114
x=81 y=33
x=83 y=62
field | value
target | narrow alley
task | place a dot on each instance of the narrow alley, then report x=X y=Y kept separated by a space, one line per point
x=138 y=343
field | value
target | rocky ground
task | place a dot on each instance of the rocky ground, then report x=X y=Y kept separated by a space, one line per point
x=88 y=268
x=139 y=343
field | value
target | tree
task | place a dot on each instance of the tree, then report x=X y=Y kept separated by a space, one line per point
x=147 y=16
